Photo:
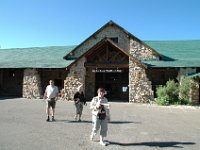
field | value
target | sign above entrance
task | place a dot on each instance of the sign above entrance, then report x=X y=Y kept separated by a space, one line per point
x=107 y=70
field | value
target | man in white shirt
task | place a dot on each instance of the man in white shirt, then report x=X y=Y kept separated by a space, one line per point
x=51 y=94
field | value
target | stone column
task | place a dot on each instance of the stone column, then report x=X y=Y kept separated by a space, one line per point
x=140 y=89
x=71 y=85
x=32 y=84
x=76 y=77
x=194 y=93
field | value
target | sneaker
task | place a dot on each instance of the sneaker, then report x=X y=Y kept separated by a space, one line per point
x=53 y=119
x=75 y=118
x=102 y=143
x=47 y=120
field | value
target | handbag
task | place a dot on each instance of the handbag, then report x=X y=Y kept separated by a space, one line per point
x=102 y=114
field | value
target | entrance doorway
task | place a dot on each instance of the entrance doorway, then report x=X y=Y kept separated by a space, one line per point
x=115 y=82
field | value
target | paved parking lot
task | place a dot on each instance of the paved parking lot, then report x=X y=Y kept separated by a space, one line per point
x=132 y=126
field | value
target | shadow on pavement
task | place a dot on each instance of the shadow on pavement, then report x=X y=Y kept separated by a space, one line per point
x=73 y=121
x=174 y=144
x=123 y=122
x=8 y=98
x=86 y=121
x=83 y=121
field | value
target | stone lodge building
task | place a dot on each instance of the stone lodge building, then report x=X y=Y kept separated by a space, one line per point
x=128 y=68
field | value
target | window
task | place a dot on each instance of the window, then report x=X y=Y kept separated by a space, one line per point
x=114 y=39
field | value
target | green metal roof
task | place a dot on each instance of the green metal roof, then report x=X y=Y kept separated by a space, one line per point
x=176 y=53
x=35 y=57
x=172 y=64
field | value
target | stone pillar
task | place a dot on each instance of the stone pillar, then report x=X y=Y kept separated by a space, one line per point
x=194 y=93
x=76 y=77
x=32 y=84
x=140 y=89
x=71 y=85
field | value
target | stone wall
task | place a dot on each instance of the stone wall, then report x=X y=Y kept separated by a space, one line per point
x=140 y=51
x=31 y=84
x=110 y=31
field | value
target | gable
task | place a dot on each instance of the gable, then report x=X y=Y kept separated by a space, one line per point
x=110 y=30
x=107 y=54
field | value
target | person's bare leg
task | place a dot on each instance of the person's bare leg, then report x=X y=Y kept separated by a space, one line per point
x=101 y=141
x=53 y=113
x=47 y=112
x=79 y=117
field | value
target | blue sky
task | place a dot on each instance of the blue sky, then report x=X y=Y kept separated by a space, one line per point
x=38 y=23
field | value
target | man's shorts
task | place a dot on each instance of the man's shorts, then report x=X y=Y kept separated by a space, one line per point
x=51 y=103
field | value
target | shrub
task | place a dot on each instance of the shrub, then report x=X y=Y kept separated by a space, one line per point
x=173 y=93
x=168 y=94
x=163 y=100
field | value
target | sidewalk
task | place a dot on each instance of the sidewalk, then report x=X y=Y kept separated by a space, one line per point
x=132 y=126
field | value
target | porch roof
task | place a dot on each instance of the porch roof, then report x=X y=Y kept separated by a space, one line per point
x=35 y=57
x=185 y=53
x=172 y=64
x=193 y=75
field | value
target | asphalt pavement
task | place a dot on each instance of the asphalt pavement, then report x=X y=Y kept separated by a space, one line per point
x=23 y=126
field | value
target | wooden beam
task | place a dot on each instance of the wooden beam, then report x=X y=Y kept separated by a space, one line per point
x=89 y=65
x=107 y=52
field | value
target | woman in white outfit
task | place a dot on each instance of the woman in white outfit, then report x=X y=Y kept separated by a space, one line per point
x=100 y=115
